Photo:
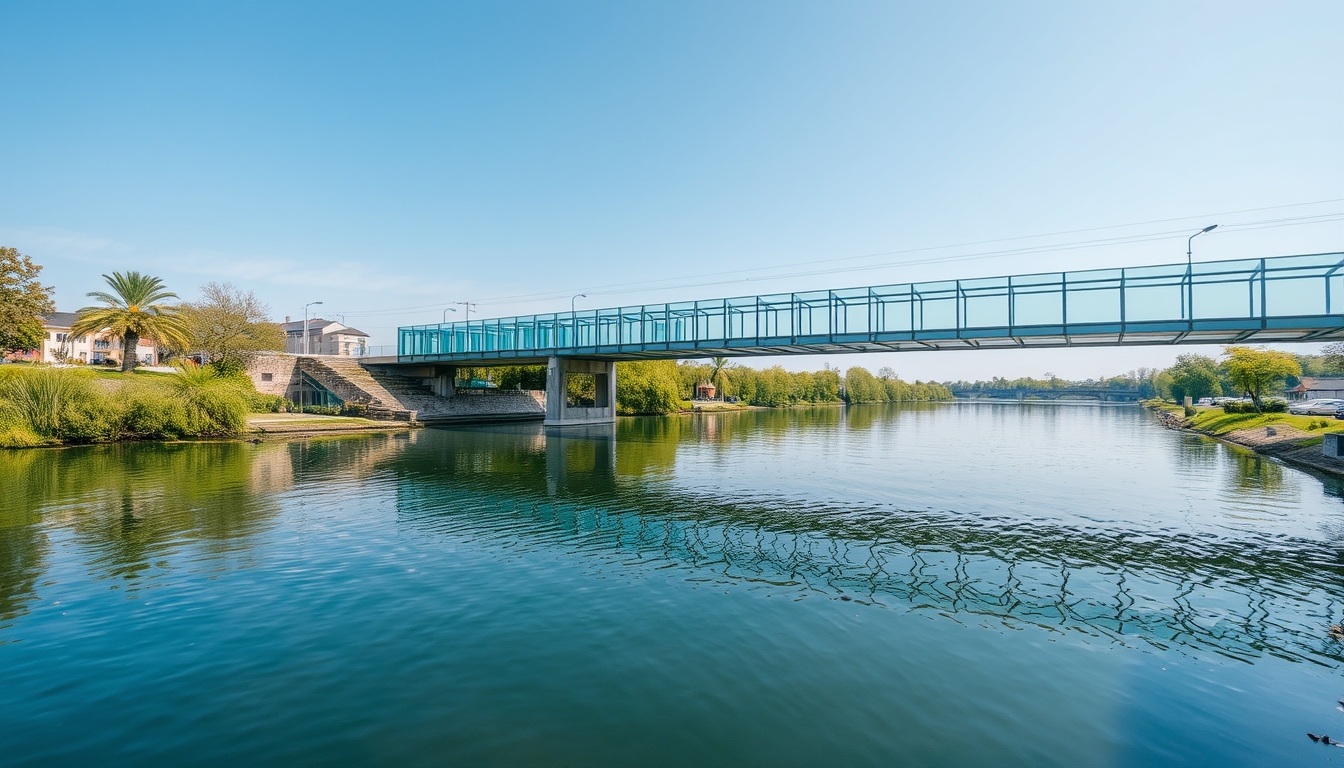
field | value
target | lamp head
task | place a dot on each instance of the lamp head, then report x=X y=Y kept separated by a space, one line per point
x=1209 y=228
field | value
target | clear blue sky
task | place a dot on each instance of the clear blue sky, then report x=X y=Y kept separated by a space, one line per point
x=389 y=158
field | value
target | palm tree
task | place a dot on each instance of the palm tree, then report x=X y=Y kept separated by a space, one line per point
x=133 y=310
x=716 y=366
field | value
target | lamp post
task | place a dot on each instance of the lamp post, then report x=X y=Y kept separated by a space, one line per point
x=307 y=347
x=1188 y=299
x=468 y=305
x=1188 y=243
x=572 y=298
x=446 y=311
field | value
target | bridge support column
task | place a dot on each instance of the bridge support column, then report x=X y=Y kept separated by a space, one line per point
x=444 y=380
x=593 y=400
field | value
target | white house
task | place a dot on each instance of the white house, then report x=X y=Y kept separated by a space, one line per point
x=58 y=345
x=325 y=337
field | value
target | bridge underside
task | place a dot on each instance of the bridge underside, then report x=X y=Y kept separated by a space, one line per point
x=1315 y=328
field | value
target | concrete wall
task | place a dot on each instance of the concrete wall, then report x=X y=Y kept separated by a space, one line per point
x=281 y=369
x=558 y=413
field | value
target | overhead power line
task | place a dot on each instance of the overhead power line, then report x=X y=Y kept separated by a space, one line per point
x=666 y=283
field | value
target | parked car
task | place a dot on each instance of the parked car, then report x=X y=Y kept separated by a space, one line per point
x=1300 y=406
x=1205 y=401
x=1322 y=407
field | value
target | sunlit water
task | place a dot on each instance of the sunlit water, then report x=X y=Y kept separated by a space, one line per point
x=941 y=585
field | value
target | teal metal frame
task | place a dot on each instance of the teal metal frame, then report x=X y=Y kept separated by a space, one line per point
x=1285 y=298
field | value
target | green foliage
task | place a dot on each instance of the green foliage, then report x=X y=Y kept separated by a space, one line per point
x=41 y=405
x=23 y=301
x=58 y=404
x=258 y=402
x=323 y=410
x=1194 y=376
x=862 y=387
x=229 y=326
x=651 y=387
x=228 y=367
x=134 y=310
x=1258 y=371
x=512 y=376
x=1266 y=406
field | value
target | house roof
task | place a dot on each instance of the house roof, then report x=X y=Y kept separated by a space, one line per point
x=1310 y=382
x=319 y=325
x=59 y=320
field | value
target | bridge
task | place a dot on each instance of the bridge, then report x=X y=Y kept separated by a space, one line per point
x=1104 y=394
x=1278 y=299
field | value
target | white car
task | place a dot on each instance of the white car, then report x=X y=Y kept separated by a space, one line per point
x=1322 y=407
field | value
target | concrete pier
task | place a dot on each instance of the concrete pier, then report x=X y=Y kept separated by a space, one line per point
x=562 y=410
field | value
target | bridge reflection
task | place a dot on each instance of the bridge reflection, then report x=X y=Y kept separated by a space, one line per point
x=591 y=495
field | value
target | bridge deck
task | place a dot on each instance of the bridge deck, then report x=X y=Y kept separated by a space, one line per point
x=1283 y=299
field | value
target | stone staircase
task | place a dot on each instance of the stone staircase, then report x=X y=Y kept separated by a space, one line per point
x=348 y=380
x=391 y=396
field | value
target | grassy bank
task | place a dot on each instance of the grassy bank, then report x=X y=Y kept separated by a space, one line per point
x=1293 y=439
x=41 y=405
x=1213 y=421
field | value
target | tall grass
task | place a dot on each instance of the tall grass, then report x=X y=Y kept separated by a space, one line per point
x=45 y=406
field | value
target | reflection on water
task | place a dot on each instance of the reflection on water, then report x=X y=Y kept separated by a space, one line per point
x=422 y=574
x=1230 y=596
x=126 y=510
x=612 y=494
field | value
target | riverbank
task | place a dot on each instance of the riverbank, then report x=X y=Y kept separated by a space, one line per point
x=1293 y=439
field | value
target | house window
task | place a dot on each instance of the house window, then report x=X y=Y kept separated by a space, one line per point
x=267 y=376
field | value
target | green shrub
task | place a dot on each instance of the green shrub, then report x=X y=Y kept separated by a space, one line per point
x=354 y=409
x=323 y=410
x=258 y=402
x=1266 y=406
x=14 y=429
x=58 y=404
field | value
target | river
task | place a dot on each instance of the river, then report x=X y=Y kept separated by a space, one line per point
x=946 y=584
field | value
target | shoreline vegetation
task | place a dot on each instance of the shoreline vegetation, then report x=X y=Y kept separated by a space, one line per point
x=1293 y=439
x=48 y=406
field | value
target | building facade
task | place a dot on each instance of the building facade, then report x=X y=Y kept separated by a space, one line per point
x=59 y=345
x=325 y=337
x=1312 y=388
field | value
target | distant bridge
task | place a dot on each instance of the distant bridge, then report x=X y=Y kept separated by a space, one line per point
x=1281 y=299
x=1104 y=394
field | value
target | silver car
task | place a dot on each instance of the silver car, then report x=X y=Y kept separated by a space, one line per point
x=1323 y=407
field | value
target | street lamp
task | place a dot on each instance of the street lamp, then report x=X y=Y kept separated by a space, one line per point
x=1188 y=296
x=1188 y=243
x=446 y=311
x=572 y=298
x=306 y=345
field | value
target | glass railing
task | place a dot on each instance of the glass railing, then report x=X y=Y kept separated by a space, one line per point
x=1301 y=293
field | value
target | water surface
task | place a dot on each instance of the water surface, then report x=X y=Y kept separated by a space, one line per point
x=935 y=585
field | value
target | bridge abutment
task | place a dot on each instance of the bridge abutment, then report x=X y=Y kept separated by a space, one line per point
x=580 y=391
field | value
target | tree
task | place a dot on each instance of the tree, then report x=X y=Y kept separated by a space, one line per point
x=1333 y=356
x=716 y=366
x=648 y=387
x=133 y=310
x=1194 y=376
x=229 y=327
x=886 y=373
x=1255 y=370
x=23 y=302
